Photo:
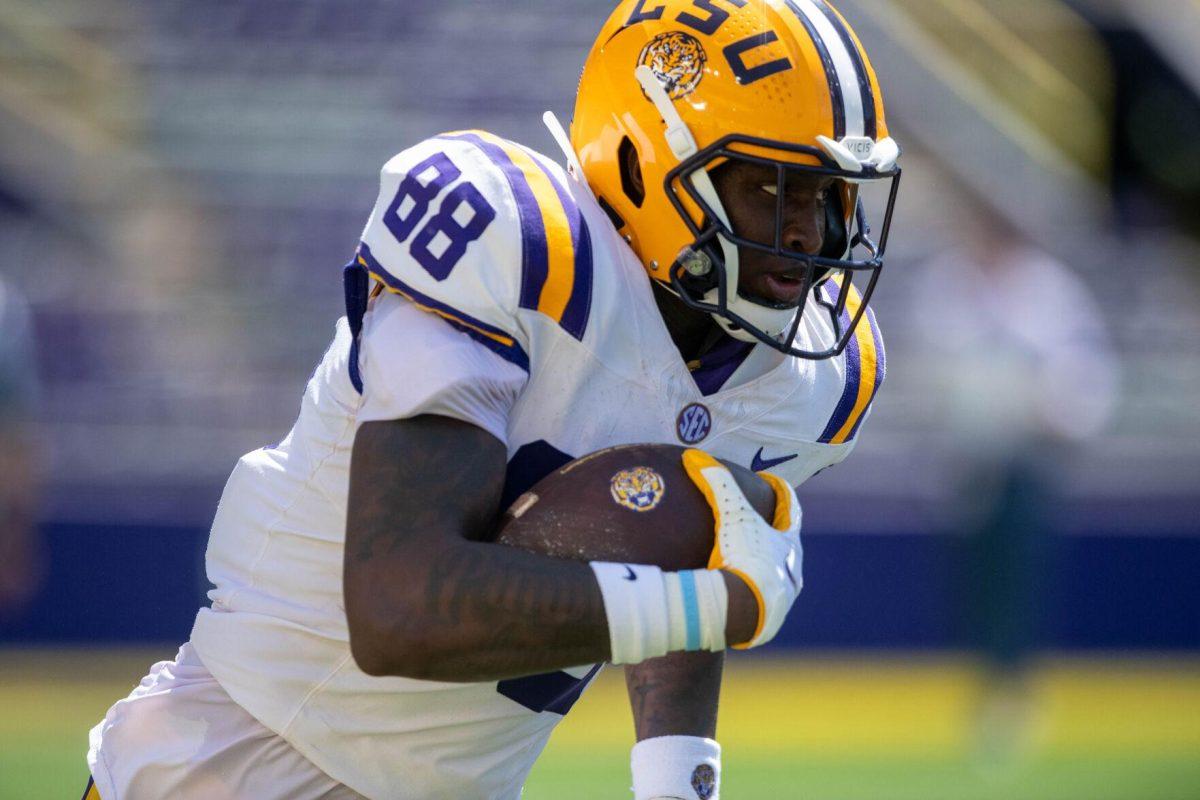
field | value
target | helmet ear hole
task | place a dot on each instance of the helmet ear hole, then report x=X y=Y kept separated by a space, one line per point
x=631 y=172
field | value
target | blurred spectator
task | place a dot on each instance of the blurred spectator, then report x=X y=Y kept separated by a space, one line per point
x=1022 y=372
x=1155 y=177
x=21 y=564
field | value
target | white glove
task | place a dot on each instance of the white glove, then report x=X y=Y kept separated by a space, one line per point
x=767 y=557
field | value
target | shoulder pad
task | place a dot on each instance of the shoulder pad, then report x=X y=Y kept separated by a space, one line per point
x=475 y=227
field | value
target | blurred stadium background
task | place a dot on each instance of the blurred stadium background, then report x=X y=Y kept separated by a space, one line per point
x=1002 y=596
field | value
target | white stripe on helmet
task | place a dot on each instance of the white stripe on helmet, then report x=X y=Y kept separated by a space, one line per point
x=843 y=62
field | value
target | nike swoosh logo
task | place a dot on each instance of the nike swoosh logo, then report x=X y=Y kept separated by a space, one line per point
x=759 y=463
x=629 y=574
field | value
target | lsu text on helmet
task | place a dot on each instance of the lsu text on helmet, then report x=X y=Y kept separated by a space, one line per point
x=690 y=85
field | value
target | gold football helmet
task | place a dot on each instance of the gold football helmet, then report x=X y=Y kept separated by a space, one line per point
x=690 y=85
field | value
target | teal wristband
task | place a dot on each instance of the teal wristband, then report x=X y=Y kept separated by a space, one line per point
x=691 y=609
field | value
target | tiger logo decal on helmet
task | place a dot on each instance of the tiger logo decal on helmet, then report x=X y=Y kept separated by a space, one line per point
x=687 y=86
x=677 y=60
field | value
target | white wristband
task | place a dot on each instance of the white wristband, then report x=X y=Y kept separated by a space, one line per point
x=635 y=602
x=677 y=767
x=652 y=613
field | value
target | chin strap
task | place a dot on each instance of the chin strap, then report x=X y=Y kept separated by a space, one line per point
x=775 y=321
x=683 y=145
x=574 y=168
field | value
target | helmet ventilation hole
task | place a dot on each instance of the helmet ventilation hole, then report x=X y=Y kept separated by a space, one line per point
x=633 y=191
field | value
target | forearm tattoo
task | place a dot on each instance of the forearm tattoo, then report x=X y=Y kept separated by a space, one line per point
x=501 y=611
x=675 y=695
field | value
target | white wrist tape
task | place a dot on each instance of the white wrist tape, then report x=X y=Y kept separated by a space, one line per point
x=682 y=767
x=697 y=605
x=652 y=613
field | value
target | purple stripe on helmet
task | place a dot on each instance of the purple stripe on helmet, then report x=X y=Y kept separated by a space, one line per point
x=535 y=253
x=831 y=74
x=513 y=353
x=853 y=372
x=870 y=124
x=579 y=304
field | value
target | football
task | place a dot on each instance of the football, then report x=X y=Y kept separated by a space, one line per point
x=632 y=503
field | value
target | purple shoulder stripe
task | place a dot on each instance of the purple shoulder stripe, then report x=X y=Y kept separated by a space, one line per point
x=853 y=372
x=880 y=366
x=575 y=316
x=535 y=258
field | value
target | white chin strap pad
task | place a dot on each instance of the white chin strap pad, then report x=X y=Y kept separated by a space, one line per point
x=773 y=321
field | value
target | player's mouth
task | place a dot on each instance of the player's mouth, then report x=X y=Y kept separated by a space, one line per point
x=783 y=288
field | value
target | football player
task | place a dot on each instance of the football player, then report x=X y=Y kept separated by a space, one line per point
x=698 y=274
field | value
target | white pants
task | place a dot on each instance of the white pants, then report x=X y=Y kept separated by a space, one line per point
x=179 y=735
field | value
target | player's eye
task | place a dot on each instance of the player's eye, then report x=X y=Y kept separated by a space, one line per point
x=822 y=195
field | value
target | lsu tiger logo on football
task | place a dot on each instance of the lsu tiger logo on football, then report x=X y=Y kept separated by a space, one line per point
x=638 y=489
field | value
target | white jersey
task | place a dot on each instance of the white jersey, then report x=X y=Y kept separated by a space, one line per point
x=512 y=303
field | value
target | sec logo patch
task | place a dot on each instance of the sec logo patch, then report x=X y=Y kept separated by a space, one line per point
x=693 y=423
x=638 y=488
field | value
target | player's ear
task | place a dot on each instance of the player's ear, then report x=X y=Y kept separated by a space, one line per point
x=631 y=172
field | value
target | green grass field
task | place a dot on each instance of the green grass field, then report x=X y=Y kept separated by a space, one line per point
x=830 y=728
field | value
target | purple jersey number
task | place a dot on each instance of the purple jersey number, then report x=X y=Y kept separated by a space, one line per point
x=443 y=240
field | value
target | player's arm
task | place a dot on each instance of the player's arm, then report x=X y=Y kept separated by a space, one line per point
x=674 y=702
x=425 y=598
x=675 y=695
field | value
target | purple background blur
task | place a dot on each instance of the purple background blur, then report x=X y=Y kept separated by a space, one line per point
x=181 y=182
